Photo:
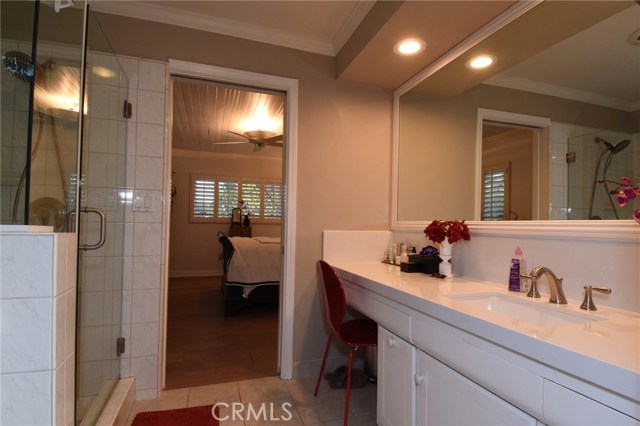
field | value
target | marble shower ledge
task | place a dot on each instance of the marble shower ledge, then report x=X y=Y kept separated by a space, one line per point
x=30 y=229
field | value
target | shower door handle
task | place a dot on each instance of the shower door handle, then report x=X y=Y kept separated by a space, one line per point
x=103 y=228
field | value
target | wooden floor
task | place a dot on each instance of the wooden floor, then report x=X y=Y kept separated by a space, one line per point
x=205 y=348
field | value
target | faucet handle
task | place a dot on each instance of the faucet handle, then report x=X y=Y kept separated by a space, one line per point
x=587 y=303
x=533 y=290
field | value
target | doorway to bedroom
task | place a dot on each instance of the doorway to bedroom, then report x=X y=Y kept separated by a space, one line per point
x=227 y=186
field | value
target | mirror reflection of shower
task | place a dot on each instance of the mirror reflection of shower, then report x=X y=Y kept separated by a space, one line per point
x=610 y=151
x=598 y=159
x=55 y=114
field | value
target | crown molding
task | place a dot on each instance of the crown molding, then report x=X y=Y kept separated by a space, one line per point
x=353 y=20
x=166 y=15
x=560 y=92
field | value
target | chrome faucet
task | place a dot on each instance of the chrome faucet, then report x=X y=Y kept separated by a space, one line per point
x=555 y=285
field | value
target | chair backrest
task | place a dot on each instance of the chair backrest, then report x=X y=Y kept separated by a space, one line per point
x=334 y=302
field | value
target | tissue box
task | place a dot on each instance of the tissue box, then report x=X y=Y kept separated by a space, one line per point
x=419 y=263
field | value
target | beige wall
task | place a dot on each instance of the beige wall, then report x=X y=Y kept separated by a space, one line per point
x=194 y=247
x=344 y=146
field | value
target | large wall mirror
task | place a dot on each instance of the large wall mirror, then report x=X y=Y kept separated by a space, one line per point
x=530 y=137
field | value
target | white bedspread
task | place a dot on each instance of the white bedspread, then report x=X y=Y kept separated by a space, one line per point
x=255 y=261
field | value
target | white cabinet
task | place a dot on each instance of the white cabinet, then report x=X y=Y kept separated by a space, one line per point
x=396 y=391
x=446 y=397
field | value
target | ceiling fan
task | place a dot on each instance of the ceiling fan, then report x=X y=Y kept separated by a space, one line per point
x=260 y=139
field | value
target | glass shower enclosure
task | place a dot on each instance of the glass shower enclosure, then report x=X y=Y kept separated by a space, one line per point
x=63 y=147
x=600 y=158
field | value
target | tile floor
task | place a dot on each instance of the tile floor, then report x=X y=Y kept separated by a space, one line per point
x=324 y=410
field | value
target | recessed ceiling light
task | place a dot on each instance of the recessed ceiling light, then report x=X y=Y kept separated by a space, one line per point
x=482 y=61
x=409 y=46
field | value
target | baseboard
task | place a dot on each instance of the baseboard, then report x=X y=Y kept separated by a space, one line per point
x=197 y=273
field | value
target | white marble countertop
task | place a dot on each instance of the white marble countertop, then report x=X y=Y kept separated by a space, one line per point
x=605 y=351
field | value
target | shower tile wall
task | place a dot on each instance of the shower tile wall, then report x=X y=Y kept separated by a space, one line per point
x=37 y=328
x=142 y=298
x=136 y=227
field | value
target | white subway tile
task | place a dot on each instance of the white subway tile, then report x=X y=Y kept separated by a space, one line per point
x=146 y=272
x=145 y=306
x=16 y=408
x=130 y=67
x=144 y=339
x=20 y=276
x=149 y=173
x=152 y=76
x=145 y=370
x=150 y=140
x=147 y=237
x=59 y=330
x=26 y=329
x=151 y=108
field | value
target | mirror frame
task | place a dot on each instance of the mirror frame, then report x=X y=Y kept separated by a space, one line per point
x=603 y=230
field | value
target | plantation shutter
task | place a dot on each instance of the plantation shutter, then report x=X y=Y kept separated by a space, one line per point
x=251 y=197
x=495 y=190
x=203 y=197
x=272 y=201
x=227 y=197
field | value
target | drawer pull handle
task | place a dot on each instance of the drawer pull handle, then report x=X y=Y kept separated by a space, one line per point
x=418 y=379
x=391 y=342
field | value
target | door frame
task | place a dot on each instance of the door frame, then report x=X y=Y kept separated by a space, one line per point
x=265 y=81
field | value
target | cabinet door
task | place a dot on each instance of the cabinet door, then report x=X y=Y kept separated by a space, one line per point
x=396 y=391
x=445 y=397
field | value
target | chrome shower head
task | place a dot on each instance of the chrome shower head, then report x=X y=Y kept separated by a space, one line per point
x=19 y=65
x=620 y=146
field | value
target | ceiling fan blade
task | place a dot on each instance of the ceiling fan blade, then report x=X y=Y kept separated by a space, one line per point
x=275 y=139
x=239 y=134
x=230 y=143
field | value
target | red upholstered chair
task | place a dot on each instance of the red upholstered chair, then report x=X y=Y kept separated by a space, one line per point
x=355 y=333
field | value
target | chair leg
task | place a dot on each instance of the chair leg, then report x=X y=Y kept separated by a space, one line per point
x=324 y=360
x=352 y=349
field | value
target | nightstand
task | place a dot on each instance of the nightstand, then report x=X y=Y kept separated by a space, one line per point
x=240 y=231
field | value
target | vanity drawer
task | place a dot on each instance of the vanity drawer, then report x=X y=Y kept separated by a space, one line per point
x=505 y=379
x=563 y=406
x=391 y=318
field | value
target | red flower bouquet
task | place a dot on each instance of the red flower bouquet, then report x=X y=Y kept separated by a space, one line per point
x=452 y=230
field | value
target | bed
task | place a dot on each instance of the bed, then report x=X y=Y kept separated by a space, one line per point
x=251 y=271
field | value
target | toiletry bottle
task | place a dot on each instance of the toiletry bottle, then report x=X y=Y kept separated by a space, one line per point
x=524 y=283
x=514 y=273
x=404 y=256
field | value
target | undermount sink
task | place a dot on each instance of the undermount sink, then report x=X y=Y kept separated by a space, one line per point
x=523 y=310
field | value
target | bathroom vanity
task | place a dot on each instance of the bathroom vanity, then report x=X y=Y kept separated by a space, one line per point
x=460 y=351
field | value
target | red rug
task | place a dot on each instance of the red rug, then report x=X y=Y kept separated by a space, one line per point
x=193 y=416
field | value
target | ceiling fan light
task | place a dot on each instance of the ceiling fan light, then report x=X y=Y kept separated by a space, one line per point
x=259 y=134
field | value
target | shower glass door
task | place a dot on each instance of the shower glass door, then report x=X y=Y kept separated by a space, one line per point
x=101 y=228
x=42 y=57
